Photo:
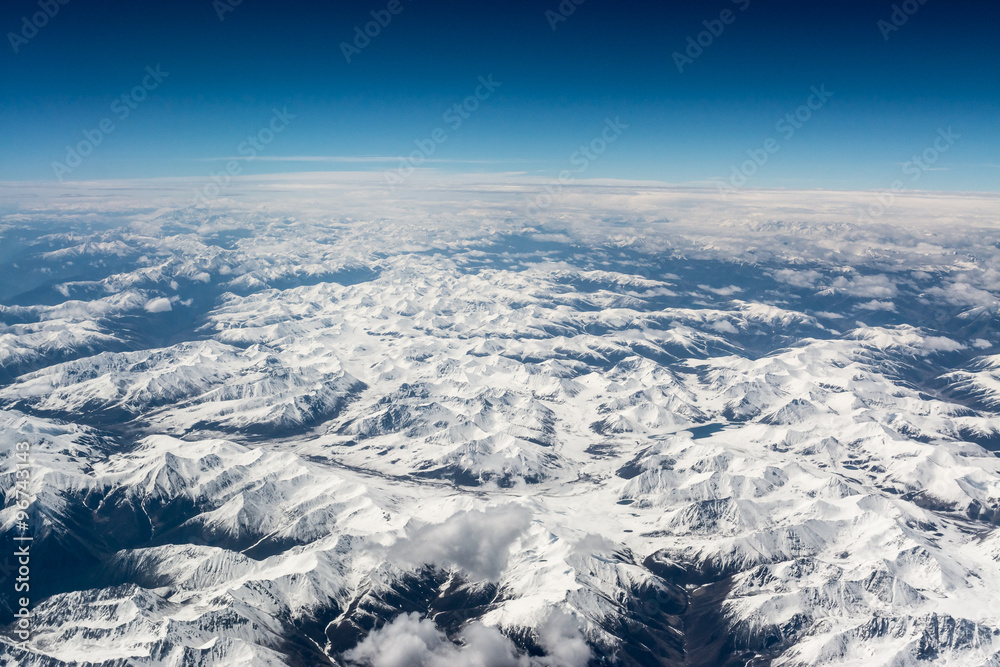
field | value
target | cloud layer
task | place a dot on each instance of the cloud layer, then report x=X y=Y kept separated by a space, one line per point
x=411 y=641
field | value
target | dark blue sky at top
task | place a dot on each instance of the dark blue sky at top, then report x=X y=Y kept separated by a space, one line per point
x=608 y=59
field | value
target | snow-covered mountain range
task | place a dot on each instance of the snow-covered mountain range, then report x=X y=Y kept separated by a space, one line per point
x=634 y=431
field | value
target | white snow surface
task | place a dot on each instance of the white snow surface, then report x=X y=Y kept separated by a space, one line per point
x=532 y=407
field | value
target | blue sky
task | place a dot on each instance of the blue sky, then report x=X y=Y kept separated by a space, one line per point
x=221 y=80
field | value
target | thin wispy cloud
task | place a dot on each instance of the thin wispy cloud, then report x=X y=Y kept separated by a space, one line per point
x=925 y=167
x=345 y=159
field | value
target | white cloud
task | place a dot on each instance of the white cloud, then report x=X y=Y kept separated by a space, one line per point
x=941 y=344
x=809 y=278
x=877 y=305
x=563 y=642
x=724 y=327
x=411 y=641
x=877 y=286
x=158 y=305
x=964 y=294
x=722 y=291
x=474 y=541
